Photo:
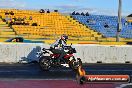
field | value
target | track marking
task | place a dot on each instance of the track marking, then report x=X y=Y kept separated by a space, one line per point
x=15 y=79
x=108 y=70
x=124 y=85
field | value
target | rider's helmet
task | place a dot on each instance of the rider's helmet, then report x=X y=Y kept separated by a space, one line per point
x=64 y=37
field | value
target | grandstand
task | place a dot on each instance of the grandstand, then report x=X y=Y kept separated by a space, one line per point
x=48 y=26
x=5 y=31
x=106 y=25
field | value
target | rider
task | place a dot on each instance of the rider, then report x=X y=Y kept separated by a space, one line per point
x=59 y=45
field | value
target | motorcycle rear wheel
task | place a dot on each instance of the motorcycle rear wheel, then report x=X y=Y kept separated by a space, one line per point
x=44 y=63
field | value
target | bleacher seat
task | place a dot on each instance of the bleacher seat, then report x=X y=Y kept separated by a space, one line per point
x=48 y=24
x=97 y=22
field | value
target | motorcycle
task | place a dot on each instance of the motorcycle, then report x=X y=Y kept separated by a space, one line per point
x=49 y=59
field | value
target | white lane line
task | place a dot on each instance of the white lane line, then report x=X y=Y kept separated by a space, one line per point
x=68 y=70
x=108 y=70
x=36 y=71
x=16 y=71
x=15 y=79
x=124 y=85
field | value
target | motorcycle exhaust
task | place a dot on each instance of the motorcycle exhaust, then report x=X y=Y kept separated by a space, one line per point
x=65 y=65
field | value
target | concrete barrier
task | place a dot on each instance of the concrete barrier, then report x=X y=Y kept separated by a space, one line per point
x=14 y=53
x=104 y=53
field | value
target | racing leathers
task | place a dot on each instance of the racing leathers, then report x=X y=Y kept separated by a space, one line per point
x=58 y=48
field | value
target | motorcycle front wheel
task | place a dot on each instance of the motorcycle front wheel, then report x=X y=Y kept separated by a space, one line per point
x=73 y=64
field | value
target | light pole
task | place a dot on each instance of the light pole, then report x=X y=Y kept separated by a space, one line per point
x=119 y=21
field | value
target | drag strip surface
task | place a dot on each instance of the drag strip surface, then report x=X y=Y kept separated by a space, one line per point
x=33 y=71
x=50 y=84
x=31 y=76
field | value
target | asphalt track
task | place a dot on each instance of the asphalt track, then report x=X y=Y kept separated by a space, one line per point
x=31 y=76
